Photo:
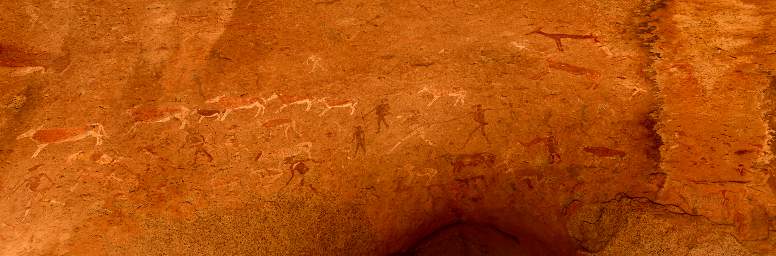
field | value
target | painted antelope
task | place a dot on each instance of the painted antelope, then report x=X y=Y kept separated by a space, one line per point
x=458 y=93
x=232 y=103
x=158 y=114
x=44 y=137
x=288 y=100
x=282 y=122
x=590 y=74
x=337 y=103
x=206 y=113
x=461 y=161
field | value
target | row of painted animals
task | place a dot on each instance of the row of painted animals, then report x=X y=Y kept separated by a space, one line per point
x=231 y=103
x=219 y=107
x=44 y=137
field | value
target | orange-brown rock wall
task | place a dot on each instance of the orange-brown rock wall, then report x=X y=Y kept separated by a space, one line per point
x=352 y=127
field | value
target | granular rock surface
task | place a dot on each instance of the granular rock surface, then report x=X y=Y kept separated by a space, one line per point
x=353 y=127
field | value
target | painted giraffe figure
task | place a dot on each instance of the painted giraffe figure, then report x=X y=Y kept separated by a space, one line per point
x=337 y=103
x=557 y=37
x=458 y=94
x=232 y=103
x=289 y=100
x=44 y=137
x=285 y=123
x=158 y=114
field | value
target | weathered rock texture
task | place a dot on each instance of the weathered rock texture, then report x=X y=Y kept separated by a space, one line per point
x=352 y=127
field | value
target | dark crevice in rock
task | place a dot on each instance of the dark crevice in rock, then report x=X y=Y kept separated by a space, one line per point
x=649 y=123
x=665 y=208
x=460 y=238
x=646 y=25
x=646 y=30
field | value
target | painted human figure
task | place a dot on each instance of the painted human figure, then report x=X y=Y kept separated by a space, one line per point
x=197 y=141
x=358 y=138
x=479 y=117
x=552 y=146
x=296 y=165
x=382 y=110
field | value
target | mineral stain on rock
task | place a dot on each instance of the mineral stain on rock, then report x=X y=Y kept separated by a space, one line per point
x=604 y=151
x=11 y=56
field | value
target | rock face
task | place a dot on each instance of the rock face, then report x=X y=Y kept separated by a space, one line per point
x=352 y=127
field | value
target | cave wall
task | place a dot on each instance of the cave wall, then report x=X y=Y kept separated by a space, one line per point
x=355 y=127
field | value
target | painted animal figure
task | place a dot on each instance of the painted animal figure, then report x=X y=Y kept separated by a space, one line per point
x=288 y=100
x=232 y=103
x=337 y=103
x=282 y=122
x=294 y=156
x=44 y=137
x=294 y=167
x=158 y=114
x=207 y=113
x=34 y=183
x=458 y=94
x=557 y=37
x=552 y=147
x=590 y=74
x=296 y=153
x=428 y=173
x=461 y=161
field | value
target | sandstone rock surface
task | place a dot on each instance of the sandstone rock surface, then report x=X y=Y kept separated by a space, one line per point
x=352 y=127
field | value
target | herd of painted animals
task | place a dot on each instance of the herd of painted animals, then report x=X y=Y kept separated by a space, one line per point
x=220 y=108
